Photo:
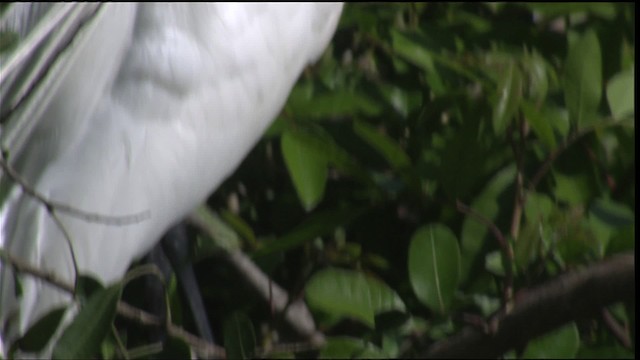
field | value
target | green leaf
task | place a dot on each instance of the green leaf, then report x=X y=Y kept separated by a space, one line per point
x=347 y=293
x=535 y=68
x=419 y=55
x=307 y=167
x=473 y=232
x=494 y=264
x=323 y=148
x=538 y=207
x=562 y=343
x=612 y=213
x=573 y=189
x=621 y=94
x=583 y=79
x=541 y=123
x=509 y=96
x=83 y=337
x=350 y=348
x=239 y=337
x=389 y=149
x=41 y=332
x=434 y=264
x=239 y=226
x=317 y=225
x=537 y=211
x=304 y=103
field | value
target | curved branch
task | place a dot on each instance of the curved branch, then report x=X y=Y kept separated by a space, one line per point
x=572 y=296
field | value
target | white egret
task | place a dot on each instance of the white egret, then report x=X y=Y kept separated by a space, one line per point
x=122 y=109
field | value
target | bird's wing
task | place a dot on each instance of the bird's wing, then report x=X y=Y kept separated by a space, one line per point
x=151 y=107
x=56 y=46
x=67 y=55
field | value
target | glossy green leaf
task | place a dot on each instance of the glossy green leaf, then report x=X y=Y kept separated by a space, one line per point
x=322 y=148
x=350 y=348
x=621 y=94
x=509 y=96
x=82 y=338
x=41 y=332
x=434 y=266
x=562 y=343
x=348 y=293
x=307 y=168
x=389 y=149
x=239 y=337
x=583 y=79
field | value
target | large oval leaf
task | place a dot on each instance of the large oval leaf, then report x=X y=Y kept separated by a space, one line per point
x=83 y=337
x=583 y=78
x=434 y=263
x=621 y=94
x=308 y=168
x=508 y=97
x=340 y=293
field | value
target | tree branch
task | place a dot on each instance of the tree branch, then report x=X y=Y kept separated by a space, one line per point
x=572 y=296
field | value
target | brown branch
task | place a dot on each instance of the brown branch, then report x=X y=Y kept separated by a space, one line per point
x=293 y=312
x=572 y=296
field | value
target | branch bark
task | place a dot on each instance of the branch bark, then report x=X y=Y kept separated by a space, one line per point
x=572 y=296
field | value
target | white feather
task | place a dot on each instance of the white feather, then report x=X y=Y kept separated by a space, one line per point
x=148 y=109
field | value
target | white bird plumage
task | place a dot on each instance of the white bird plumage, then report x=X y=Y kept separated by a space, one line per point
x=148 y=108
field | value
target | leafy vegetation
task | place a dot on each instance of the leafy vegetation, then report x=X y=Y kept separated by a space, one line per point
x=436 y=161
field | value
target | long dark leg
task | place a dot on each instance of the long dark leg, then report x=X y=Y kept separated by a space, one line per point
x=175 y=245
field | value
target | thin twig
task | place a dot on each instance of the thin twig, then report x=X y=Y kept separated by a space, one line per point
x=119 y=220
x=518 y=202
x=546 y=165
x=200 y=346
x=618 y=331
x=25 y=268
x=505 y=247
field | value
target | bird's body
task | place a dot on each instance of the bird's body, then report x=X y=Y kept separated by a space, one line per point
x=151 y=108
